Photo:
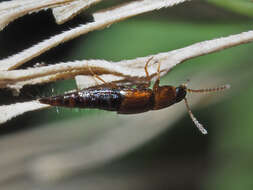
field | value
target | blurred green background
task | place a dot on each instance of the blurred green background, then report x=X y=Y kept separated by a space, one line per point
x=180 y=157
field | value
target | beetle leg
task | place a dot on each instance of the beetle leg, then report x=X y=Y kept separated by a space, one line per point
x=147 y=79
x=146 y=71
x=156 y=85
x=99 y=78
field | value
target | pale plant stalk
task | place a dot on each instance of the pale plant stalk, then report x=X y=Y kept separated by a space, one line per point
x=66 y=12
x=17 y=9
x=102 y=19
x=7 y=5
x=122 y=69
x=63 y=10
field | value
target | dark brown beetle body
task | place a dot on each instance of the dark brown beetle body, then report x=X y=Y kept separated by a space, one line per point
x=121 y=99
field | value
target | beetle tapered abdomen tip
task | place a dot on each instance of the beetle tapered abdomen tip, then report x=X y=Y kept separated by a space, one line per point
x=50 y=101
x=44 y=100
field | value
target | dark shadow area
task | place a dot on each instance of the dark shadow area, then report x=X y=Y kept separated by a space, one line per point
x=31 y=29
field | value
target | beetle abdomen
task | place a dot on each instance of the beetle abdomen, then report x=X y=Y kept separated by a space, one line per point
x=122 y=100
x=104 y=98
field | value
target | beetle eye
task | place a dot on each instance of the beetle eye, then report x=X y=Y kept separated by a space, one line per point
x=180 y=93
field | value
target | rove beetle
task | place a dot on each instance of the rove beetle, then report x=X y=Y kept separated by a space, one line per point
x=127 y=100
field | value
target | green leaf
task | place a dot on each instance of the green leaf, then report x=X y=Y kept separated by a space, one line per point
x=243 y=7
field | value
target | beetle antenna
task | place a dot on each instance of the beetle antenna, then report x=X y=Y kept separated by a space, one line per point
x=221 y=88
x=194 y=119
